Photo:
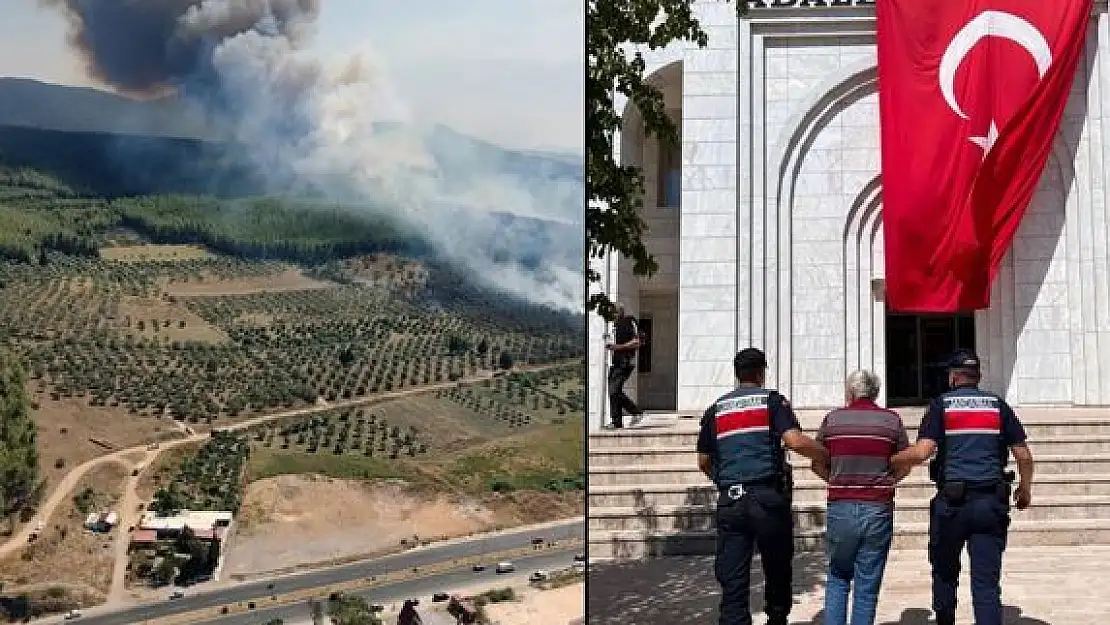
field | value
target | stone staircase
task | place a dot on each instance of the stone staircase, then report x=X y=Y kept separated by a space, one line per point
x=647 y=497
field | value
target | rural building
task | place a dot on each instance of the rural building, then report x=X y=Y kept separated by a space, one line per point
x=197 y=521
x=143 y=539
x=766 y=223
x=101 y=521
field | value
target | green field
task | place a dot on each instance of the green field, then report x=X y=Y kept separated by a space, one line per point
x=522 y=431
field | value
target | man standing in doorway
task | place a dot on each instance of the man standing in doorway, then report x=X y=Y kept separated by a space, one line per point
x=626 y=340
x=861 y=438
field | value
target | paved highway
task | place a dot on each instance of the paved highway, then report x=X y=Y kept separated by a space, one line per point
x=422 y=589
x=422 y=557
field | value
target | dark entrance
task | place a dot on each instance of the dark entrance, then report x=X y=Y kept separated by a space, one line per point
x=917 y=349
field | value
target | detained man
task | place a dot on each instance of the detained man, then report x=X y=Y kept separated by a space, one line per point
x=861 y=438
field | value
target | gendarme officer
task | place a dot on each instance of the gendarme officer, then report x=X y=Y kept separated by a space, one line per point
x=740 y=448
x=972 y=432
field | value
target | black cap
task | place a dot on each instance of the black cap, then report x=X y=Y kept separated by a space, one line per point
x=748 y=359
x=964 y=359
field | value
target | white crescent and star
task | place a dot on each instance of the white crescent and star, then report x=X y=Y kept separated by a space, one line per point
x=990 y=24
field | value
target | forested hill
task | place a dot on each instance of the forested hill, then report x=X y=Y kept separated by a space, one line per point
x=92 y=163
x=40 y=214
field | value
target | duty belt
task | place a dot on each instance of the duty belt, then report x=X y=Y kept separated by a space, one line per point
x=736 y=491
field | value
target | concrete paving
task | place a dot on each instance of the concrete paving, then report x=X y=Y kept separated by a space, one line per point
x=1040 y=586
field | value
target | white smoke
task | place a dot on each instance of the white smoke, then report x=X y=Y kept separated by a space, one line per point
x=341 y=127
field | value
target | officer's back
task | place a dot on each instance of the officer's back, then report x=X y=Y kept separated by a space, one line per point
x=748 y=423
x=740 y=449
x=974 y=447
x=972 y=432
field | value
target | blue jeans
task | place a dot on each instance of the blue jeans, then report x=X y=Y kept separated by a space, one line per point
x=858 y=539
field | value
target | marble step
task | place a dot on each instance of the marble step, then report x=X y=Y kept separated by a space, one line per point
x=631 y=545
x=1070 y=445
x=916 y=486
x=684 y=433
x=812 y=515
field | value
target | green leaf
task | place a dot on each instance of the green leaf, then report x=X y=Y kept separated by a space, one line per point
x=615 y=191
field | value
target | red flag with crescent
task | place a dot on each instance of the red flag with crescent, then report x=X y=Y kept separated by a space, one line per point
x=971 y=95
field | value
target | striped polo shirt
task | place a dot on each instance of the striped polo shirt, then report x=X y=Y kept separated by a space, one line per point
x=861 y=438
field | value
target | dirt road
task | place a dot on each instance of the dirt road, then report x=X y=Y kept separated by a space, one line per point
x=129 y=501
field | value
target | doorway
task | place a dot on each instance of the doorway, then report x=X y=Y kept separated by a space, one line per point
x=917 y=351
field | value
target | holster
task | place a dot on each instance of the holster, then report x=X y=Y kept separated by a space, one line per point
x=955 y=493
x=786 y=482
x=934 y=471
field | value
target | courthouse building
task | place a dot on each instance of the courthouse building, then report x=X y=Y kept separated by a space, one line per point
x=766 y=220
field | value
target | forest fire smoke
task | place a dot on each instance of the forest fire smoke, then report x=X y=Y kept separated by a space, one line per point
x=338 y=129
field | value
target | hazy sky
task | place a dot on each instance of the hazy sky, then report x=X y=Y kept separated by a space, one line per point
x=508 y=71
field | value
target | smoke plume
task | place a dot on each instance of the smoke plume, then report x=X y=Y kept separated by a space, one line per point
x=337 y=129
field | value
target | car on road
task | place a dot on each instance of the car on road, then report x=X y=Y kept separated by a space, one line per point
x=177 y=594
x=72 y=614
x=440 y=596
x=505 y=567
x=579 y=557
x=537 y=541
x=478 y=568
x=538 y=576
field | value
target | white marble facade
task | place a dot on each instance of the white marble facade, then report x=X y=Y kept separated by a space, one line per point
x=777 y=241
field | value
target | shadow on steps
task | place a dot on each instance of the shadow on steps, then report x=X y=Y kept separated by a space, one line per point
x=1011 y=615
x=676 y=590
x=684 y=590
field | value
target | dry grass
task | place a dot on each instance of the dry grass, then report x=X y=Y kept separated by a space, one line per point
x=165 y=321
x=526 y=507
x=67 y=553
x=295 y=519
x=556 y=606
x=135 y=253
x=288 y=280
x=67 y=427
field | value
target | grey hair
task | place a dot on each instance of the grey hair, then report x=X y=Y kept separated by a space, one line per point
x=863 y=384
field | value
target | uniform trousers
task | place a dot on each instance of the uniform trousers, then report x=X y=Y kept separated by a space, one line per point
x=981 y=522
x=760 y=519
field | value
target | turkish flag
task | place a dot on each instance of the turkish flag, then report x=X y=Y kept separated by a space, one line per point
x=971 y=94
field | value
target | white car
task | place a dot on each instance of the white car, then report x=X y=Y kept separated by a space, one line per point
x=505 y=567
x=72 y=614
x=177 y=594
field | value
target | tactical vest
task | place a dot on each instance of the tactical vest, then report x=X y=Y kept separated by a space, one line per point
x=747 y=449
x=972 y=448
